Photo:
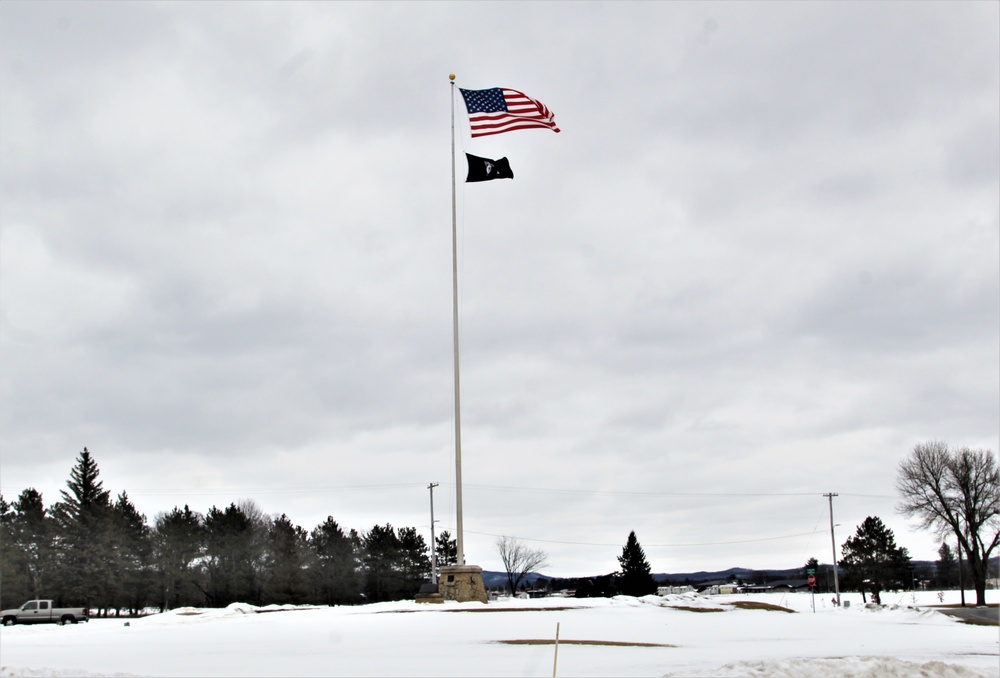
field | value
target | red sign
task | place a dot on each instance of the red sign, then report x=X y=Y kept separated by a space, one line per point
x=812 y=580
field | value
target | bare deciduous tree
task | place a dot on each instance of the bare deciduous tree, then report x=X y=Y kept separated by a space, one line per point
x=519 y=560
x=958 y=491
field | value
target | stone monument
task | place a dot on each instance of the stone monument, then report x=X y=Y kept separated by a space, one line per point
x=462 y=583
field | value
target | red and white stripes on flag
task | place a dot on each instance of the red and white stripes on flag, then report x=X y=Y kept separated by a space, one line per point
x=499 y=109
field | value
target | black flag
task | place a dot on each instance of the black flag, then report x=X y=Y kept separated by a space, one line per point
x=484 y=169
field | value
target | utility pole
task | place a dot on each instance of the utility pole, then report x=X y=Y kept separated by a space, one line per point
x=833 y=541
x=434 y=576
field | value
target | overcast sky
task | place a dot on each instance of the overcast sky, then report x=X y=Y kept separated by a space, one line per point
x=759 y=263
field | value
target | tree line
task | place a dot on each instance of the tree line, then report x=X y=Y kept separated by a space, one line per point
x=89 y=549
x=954 y=492
x=872 y=563
x=92 y=550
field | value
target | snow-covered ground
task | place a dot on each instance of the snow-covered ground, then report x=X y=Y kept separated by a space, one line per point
x=685 y=635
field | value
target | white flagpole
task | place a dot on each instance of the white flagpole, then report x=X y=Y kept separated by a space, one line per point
x=454 y=298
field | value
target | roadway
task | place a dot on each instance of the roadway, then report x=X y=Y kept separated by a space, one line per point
x=989 y=615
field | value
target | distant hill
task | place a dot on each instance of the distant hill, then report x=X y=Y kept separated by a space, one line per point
x=741 y=573
x=498 y=579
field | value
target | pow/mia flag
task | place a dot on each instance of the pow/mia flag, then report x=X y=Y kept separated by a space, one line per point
x=484 y=169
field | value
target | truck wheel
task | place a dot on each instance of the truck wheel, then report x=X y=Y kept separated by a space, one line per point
x=9 y=621
x=67 y=619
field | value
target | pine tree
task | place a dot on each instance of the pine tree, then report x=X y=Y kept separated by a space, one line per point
x=335 y=578
x=260 y=524
x=87 y=499
x=82 y=537
x=635 y=578
x=946 y=566
x=285 y=578
x=383 y=575
x=445 y=549
x=415 y=562
x=178 y=540
x=872 y=561
x=13 y=563
x=27 y=548
x=130 y=555
x=231 y=556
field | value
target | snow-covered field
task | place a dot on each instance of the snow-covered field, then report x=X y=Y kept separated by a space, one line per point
x=684 y=635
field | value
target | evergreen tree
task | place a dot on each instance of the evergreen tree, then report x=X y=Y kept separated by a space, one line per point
x=82 y=535
x=415 y=563
x=446 y=549
x=873 y=562
x=285 y=579
x=14 y=569
x=635 y=578
x=335 y=578
x=231 y=556
x=260 y=525
x=130 y=556
x=27 y=549
x=946 y=567
x=381 y=556
x=178 y=540
x=605 y=586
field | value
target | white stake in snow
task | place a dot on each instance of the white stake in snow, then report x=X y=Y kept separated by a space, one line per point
x=555 y=656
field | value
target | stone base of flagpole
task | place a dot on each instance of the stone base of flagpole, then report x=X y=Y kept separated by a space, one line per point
x=462 y=583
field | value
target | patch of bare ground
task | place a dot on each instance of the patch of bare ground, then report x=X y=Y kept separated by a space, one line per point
x=433 y=608
x=695 y=609
x=604 y=643
x=757 y=605
x=979 y=622
x=511 y=609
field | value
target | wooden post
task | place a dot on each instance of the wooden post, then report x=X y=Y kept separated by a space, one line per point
x=555 y=657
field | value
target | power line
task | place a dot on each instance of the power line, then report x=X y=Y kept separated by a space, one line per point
x=707 y=543
x=631 y=493
x=494 y=488
x=270 y=490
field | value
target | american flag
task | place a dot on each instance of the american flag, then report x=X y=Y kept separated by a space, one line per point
x=498 y=110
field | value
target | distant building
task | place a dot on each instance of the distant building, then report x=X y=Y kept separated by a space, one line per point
x=779 y=586
x=673 y=590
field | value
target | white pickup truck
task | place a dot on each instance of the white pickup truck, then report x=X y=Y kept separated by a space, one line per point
x=41 y=611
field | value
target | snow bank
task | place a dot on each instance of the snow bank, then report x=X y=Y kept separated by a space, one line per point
x=678 y=635
x=840 y=667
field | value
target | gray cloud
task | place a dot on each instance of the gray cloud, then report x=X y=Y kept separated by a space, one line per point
x=758 y=264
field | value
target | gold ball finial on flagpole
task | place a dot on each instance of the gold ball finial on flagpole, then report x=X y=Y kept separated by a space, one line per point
x=451 y=76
